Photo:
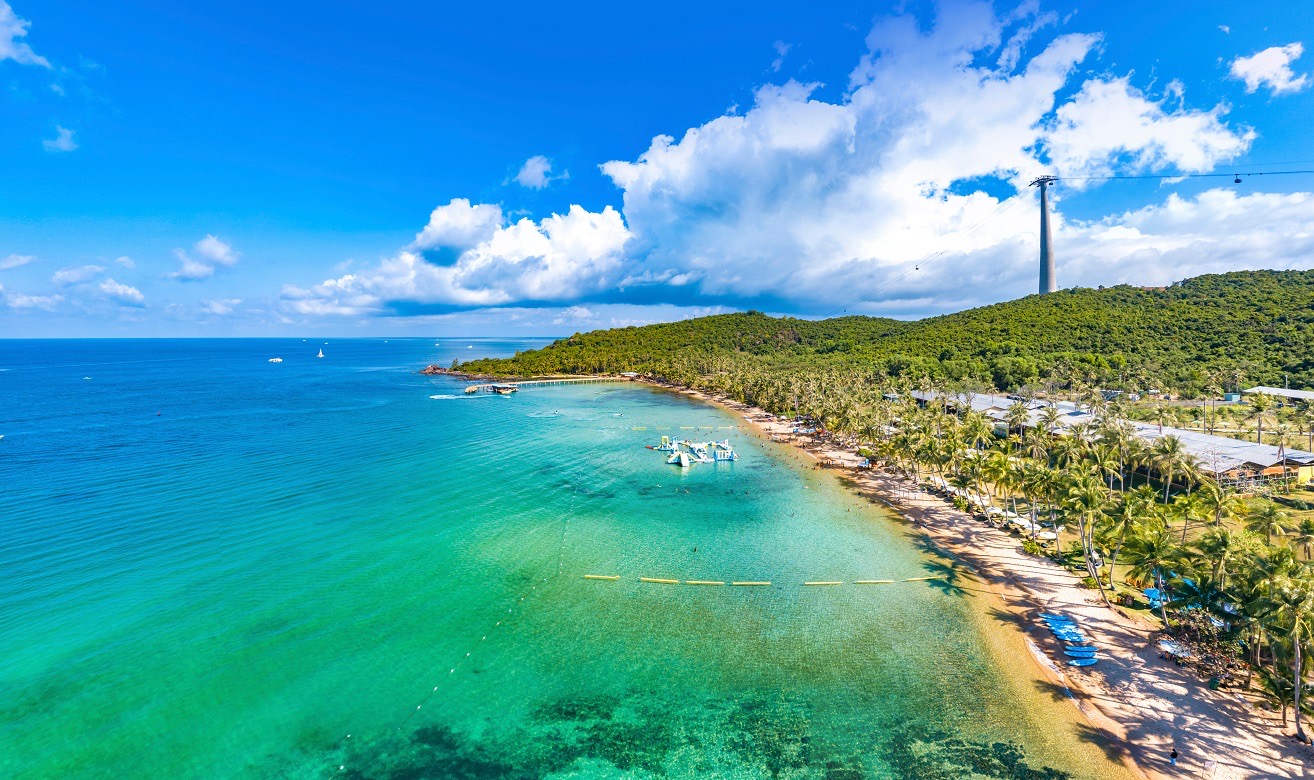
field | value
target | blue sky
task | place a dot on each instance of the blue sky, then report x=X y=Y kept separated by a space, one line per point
x=342 y=169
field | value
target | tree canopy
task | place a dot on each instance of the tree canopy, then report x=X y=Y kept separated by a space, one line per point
x=1221 y=330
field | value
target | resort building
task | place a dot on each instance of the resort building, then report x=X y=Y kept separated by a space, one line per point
x=1232 y=462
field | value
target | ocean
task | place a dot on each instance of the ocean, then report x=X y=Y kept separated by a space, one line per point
x=215 y=566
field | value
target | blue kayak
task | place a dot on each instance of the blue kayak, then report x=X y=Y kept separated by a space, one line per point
x=1080 y=653
x=1082 y=662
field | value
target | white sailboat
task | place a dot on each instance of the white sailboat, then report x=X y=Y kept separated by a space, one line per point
x=321 y=353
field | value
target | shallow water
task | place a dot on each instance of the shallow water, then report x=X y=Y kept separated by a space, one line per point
x=220 y=567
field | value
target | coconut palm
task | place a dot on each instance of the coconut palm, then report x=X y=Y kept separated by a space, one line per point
x=1218 y=546
x=1151 y=553
x=1167 y=457
x=1125 y=518
x=1087 y=499
x=1268 y=520
x=1290 y=613
x=1259 y=405
x=1220 y=501
x=1304 y=536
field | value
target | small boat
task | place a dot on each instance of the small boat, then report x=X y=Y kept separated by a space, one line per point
x=1082 y=661
x=1080 y=653
x=276 y=360
x=321 y=353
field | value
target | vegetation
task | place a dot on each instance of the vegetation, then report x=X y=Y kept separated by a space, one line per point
x=1238 y=569
x=1196 y=337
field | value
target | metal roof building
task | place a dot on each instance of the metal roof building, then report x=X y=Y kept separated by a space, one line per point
x=1282 y=392
x=1229 y=460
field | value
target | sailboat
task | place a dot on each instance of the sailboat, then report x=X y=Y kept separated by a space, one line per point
x=321 y=353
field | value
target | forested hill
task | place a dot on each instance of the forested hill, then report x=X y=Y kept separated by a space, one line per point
x=1246 y=327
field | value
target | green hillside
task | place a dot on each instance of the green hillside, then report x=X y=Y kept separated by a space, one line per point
x=1217 y=330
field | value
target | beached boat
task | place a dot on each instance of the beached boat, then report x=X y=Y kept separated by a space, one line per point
x=1083 y=661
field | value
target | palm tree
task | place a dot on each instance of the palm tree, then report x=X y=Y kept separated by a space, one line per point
x=1151 y=552
x=1219 y=500
x=1167 y=457
x=1126 y=518
x=1218 y=545
x=1259 y=404
x=1087 y=499
x=1290 y=611
x=1304 y=535
x=1016 y=417
x=1268 y=520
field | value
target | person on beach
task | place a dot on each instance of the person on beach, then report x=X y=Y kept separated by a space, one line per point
x=1172 y=757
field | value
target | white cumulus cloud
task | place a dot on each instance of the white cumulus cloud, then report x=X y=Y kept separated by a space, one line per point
x=556 y=258
x=43 y=302
x=536 y=173
x=125 y=261
x=1271 y=68
x=122 y=293
x=222 y=307
x=459 y=225
x=902 y=186
x=75 y=274
x=12 y=31
x=62 y=142
x=210 y=253
x=14 y=261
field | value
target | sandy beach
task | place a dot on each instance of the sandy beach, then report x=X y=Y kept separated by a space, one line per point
x=1144 y=705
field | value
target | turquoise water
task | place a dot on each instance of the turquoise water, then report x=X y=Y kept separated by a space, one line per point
x=215 y=566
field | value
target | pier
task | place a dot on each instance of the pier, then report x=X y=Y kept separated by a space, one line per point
x=495 y=387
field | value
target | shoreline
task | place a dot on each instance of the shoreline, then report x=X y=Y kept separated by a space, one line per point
x=1142 y=705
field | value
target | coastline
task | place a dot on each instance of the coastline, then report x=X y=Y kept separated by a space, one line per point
x=1143 y=706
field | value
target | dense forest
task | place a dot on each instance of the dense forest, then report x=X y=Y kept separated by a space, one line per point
x=1202 y=335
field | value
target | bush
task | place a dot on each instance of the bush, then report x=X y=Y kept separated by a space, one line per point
x=1089 y=582
x=1030 y=547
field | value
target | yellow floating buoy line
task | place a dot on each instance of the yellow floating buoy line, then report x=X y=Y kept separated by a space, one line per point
x=756 y=583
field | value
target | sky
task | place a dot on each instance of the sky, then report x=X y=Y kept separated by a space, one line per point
x=400 y=168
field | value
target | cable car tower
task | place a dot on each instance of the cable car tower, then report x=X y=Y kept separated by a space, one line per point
x=1047 y=281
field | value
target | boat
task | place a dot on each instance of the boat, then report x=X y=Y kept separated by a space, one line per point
x=1082 y=661
x=276 y=360
x=1080 y=653
x=504 y=389
x=321 y=353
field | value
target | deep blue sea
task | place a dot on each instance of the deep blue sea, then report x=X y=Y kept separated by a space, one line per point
x=216 y=566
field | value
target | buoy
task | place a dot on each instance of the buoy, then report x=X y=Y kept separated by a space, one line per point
x=659 y=580
x=763 y=584
x=601 y=577
x=702 y=582
x=920 y=579
x=872 y=582
x=827 y=582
